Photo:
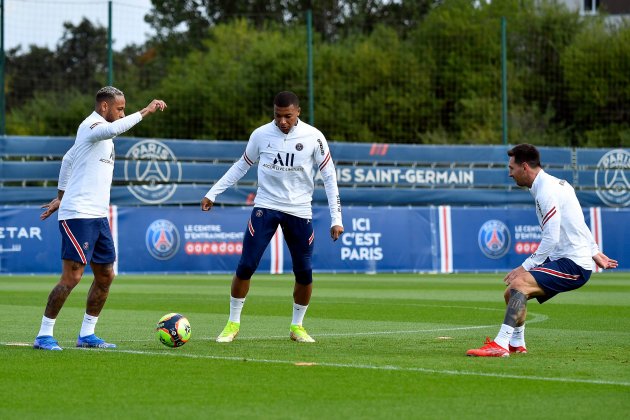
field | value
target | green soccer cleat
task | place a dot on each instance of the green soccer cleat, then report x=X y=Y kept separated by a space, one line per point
x=229 y=333
x=299 y=334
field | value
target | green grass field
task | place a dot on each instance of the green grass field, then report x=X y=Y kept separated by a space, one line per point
x=388 y=346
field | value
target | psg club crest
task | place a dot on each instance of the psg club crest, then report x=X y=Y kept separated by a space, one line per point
x=612 y=178
x=494 y=239
x=152 y=170
x=162 y=239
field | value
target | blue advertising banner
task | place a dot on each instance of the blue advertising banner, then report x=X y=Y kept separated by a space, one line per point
x=492 y=239
x=28 y=245
x=500 y=239
x=189 y=240
x=184 y=240
x=376 y=239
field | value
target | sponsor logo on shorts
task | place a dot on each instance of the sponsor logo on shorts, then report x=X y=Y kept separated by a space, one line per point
x=152 y=170
x=494 y=239
x=612 y=178
x=162 y=239
x=259 y=213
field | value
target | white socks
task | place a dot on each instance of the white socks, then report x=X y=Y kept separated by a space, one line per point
x=48 y=324
x=518 y=337
x=298 y=314
x=504 y=336
x=89 y=323
x=236 y=307
x=87 y=328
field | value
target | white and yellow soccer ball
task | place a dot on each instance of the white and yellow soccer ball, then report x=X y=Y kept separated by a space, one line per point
x=173 y=330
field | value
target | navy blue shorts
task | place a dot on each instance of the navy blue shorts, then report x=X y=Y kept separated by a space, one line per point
x=261 y=226
x=559 y=276
x=87 y=240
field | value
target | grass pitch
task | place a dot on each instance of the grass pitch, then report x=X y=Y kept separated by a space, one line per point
x=388 y=346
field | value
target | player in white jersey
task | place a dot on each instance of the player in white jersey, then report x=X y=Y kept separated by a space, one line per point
x=563 y=260
x=287 y=150
x=84 y=186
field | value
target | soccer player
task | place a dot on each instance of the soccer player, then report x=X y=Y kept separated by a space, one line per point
x=85 y=179
x=563 y=260
x=287 y=149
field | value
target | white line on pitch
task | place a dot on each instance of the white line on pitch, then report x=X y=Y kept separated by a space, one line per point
x=372 y=367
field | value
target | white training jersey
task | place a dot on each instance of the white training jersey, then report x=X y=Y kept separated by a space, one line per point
x=286 y=170
x=88 y=167
x=564 y=232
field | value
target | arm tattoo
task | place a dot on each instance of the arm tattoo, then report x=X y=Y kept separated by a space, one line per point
x=516 y=308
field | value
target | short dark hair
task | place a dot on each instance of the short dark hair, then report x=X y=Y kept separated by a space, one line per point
x=108 y=93
x=286 y=99
x=525 y=153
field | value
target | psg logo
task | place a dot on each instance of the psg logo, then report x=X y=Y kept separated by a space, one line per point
x=152 y=170
x=612 y=178
x=494 y=239
x=162 y=239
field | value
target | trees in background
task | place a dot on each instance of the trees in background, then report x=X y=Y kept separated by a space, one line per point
x=418 y=71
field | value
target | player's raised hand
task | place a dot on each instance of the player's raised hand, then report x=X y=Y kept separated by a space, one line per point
x=206 y=204
x=50 y=208
x=154 y=105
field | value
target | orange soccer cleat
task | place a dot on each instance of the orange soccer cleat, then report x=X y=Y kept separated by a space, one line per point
x=489 y=349
x=517 y=349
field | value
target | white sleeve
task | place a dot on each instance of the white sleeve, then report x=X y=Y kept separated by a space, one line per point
x=329 y=175
x=105 y=130
x=550 y=225
x=66 y=169
x=594 y=247
x=236 y=172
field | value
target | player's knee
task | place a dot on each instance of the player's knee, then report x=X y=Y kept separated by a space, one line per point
x=104 y=274
x=518 y=283
x=245 y=272
x=304 y=277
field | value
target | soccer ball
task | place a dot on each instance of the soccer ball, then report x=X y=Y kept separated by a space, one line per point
x=173 y=330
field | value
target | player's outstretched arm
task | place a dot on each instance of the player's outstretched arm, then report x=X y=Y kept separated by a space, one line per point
x=604 y=262
x=206 y=204
x=154 y=105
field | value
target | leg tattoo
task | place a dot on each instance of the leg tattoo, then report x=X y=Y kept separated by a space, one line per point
x=99 y=290
x=516 y=309
x=56 y=299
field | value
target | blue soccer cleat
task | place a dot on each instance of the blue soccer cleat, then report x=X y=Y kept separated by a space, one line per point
x=92 y=341
x=46 y=342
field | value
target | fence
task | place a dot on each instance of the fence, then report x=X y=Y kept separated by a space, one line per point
x=441 y=75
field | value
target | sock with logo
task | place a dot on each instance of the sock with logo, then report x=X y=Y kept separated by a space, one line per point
x=236 y=307
x=503 y=338
x=89 y=323
x=518 y=337
x=298 y=314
